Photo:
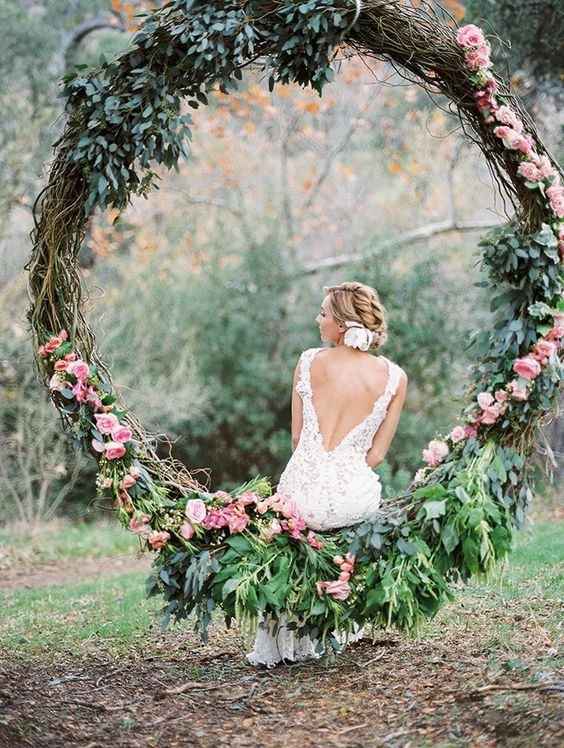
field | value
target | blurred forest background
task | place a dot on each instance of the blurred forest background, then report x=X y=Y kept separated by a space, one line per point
x=203 y=296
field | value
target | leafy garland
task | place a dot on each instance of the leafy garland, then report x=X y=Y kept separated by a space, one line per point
x=249 y=552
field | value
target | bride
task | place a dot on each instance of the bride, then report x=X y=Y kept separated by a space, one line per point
x=346 y=405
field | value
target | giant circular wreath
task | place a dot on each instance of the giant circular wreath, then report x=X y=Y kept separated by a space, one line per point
x=248 y=552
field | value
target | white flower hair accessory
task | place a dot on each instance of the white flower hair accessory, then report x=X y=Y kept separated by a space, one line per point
x=358 y=336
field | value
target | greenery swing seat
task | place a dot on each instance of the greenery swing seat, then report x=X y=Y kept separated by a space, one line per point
x=245 y=552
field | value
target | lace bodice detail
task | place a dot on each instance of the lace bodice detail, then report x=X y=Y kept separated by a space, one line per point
x=337 y=487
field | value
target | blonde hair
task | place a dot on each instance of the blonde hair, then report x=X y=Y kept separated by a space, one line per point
x=358 y=302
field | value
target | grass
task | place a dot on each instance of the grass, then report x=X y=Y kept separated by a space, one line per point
x=60 y=540
x=114 y=613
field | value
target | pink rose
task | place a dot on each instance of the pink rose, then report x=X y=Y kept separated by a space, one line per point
x=128 y=481
x=544 y=165
x=80 y=392
x=237 y=523
x=555 y=191
x=314 y=541
x=186 y=530
x=557 y=331
x=92 y=398
x=346 y=566
x=196 y=511
x=517 y=391
x=262 y=507
x=350 y=557
x=527 y=367
x=158 y=539
x=485 y=399
x=435 y=452
x=339 y=590
x=52 y=344
x=223 y=496
x=338 y=560
x=457 y=434
x=501 y=396
x=60 y=365
x=543 y=350
x=529 y=171
x=344 y=576
x=470 y=36
x=79 y=368
x=115 y=450
x=507 y=116
x=248 y=497
x=106 y=422
x=139 y=524
x=56 y=383
x=470 y=431
x=479 y=57
x=491 y=414
x=121 y=433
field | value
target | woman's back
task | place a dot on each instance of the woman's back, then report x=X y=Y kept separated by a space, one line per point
x=345 y=385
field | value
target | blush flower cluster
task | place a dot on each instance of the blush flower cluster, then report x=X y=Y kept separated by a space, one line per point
x=339 y=588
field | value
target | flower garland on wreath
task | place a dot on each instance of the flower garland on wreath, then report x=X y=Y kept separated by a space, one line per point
x=248 y=552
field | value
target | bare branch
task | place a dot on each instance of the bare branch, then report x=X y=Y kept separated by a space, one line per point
x=420 y=234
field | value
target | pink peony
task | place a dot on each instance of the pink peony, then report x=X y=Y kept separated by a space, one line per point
x=527 y=367
x=121 y=433
x=517 y=391
x=435 y=452
x=187 y=530
x=457 y=434
x=106 y=422
x=79 y=368
x=114 y=450
x=196 y=511
x=529 y=171
x=139 y=524
x=507 y=116
x=158 y=539
x=470 y=36
x=485 y=399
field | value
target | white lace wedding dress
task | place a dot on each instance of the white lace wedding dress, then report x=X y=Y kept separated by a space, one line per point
x=331 y=489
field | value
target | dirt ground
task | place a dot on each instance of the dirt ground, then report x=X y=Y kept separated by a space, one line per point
x=176 y=691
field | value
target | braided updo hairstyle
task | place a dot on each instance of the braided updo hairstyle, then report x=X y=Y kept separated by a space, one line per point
x=356 y=301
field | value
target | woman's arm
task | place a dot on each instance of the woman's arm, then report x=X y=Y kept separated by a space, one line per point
x=386 y=432
x=297 y=412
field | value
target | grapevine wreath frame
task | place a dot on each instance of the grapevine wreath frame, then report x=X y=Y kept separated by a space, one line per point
x=249 y=552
